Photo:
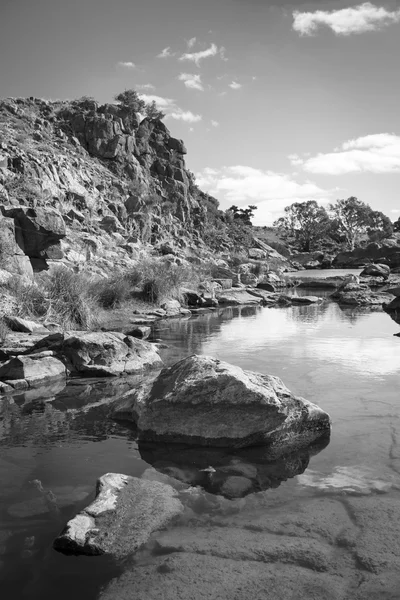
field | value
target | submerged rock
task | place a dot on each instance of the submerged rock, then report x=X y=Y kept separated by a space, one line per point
x=226 y=473
x=126 y=511
x=206 y=402
x=101 y=353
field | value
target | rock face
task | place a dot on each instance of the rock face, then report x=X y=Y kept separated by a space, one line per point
x=126 y=511
x=101 y=354
x=207 y=402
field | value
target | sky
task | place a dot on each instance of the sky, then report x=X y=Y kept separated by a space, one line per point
x=277 y=102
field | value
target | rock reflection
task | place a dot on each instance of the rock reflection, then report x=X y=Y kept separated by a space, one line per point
x=232 y=474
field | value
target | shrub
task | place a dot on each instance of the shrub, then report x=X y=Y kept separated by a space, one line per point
x=162 y=280
x=109 y=293
x=30 y=299
x=70 y=302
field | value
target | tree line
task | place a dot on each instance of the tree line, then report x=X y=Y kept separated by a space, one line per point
x=344 y=222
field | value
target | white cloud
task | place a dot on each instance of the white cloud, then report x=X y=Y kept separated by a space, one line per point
x=269 y=190
x=166 y=53
x=127 y=65
x=146 y=86
x=377 y=153
x=395 y=210
x=196 y=57
x=214 y=123
x=185 y=115
x=190 y=43
x=356 y=19
x=192 y=82
x=235 y=85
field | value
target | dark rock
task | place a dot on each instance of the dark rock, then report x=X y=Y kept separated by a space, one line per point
x=141 y=331
x=376 y=271
x=264 y=285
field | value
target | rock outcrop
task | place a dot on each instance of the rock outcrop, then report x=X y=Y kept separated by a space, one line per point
x=126 y=511
x=204 y=401
x=386 y=253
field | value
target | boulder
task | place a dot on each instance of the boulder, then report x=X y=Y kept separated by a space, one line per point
x=237 y=297
x=207 y=402
x=101 y=353
x=32 y=370
x=264 y=285
x=308 y=260
x=376 y=271
x=140 y=331
x=126 y=511
x=22 y=325
x=13 y=258
x=374 y=253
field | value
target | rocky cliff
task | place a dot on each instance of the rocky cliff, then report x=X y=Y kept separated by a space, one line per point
x=79 y=180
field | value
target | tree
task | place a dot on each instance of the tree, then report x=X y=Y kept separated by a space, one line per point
x=132 y=100
x=152 y=112
x=243 y=214
x=307 y=222
x=380 y=227
x=396 y=225
x=352 y=217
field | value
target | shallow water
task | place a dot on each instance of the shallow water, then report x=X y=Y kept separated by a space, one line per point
x=345 y=360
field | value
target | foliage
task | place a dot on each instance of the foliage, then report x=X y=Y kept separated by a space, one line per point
x=352 y=218
x=152 y=112
x=30 y=299
x=307 y=222
x=110 y=293
x=380 y=226
x=243 y=214
x=131 y=99
x=163 y=279
x=70 y=301
x=396 y=225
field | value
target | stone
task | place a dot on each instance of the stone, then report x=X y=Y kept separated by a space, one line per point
x=207 y=402
x=126 y=511
x=33 y=370
x=374 y=253
x=141 y=331
x=264 y=285
x=376 y=271
x=101 y=353
x=23 y=325
x=13 y=258
x=361 y=297
x=172 y=308
x=237 y=297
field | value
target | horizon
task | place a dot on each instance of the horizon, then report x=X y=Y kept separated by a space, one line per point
x=319 y=76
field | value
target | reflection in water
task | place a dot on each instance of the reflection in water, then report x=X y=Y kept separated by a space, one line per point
x=233 y=474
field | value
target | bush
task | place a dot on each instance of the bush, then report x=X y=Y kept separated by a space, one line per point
x=70 y=301
x=162 y=280
x=31 y=300
x=109 y=293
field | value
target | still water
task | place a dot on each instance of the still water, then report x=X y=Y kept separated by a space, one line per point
x=345 y=360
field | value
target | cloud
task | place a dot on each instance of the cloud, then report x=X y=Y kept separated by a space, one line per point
x=196 y=57
x=171 y=109
x=192 y=82
x=127 y=65
x=185 y=115
x=190 y=43
x=235 y=85
x=357 y=19
x=166 y=53
x=214 y=123
x=145 y=86
x=377 y=153
x=269 y=190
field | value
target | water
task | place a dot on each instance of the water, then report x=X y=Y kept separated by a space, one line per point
x=345 y=360
x=322 y=273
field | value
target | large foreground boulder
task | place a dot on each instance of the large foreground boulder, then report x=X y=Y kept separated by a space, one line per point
x=126 y=511
x=101 y=353
x=204 y=401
